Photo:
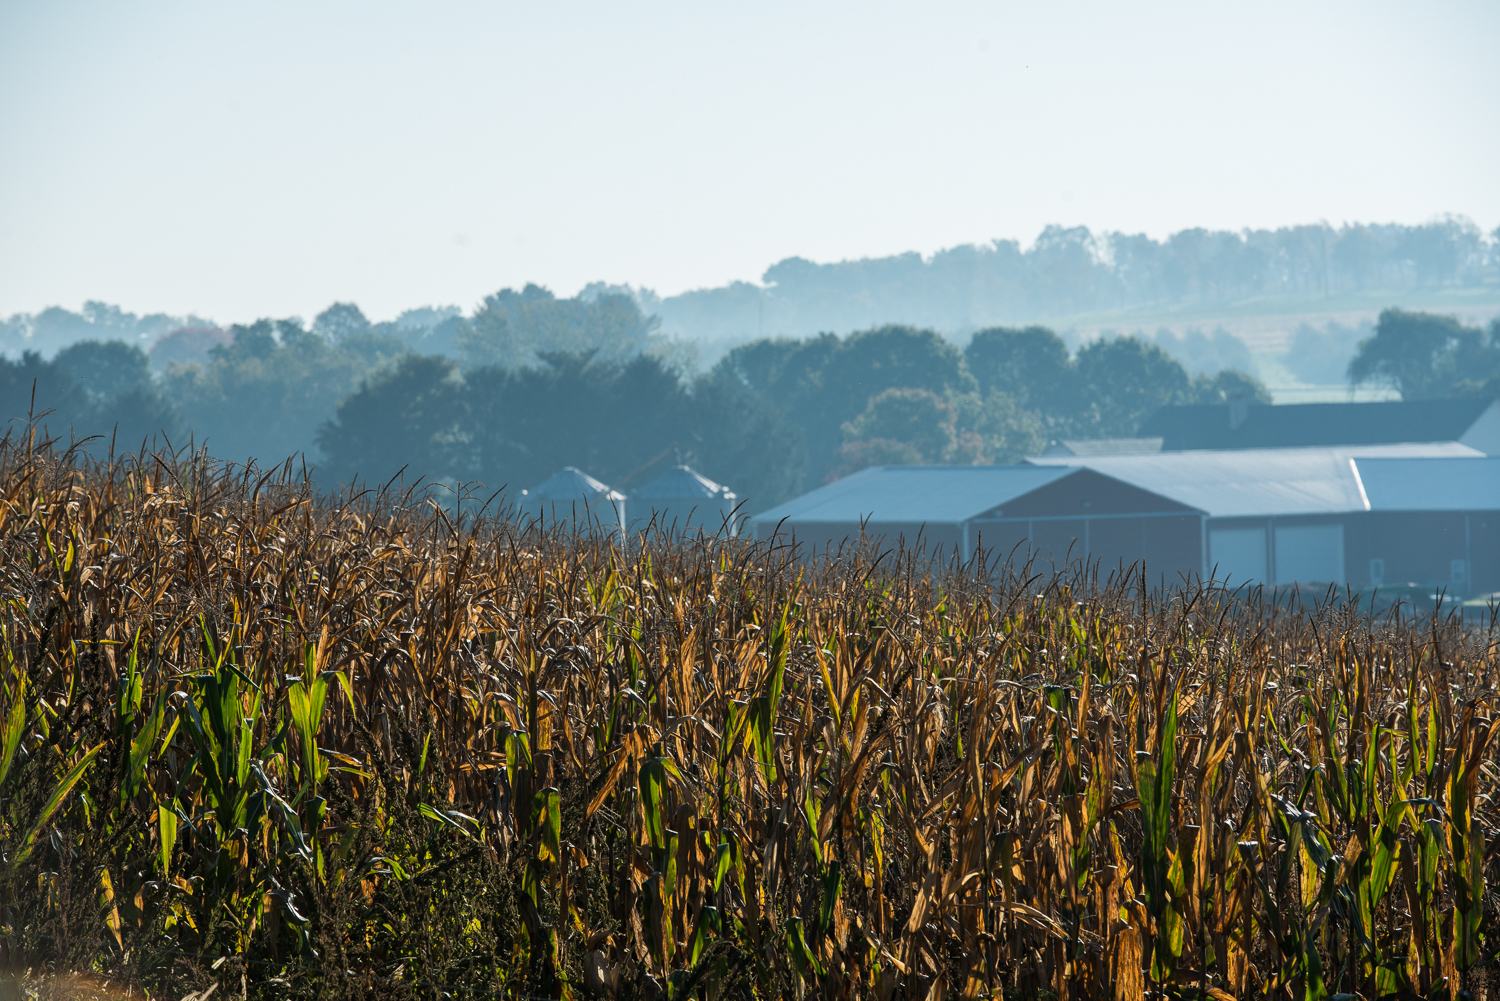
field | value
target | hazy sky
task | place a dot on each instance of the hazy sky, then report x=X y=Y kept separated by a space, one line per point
x=267 y=158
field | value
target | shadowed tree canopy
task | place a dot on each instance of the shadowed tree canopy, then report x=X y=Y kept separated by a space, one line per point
x=1121 y=382
x=263 y=394
x=105 y=369
x=1030 y=364
x=822 y=382
x=515 y=329
x=917 y=417
x=1423 y=355
x=409 y=415
x=1007 y=392
x=515 y=427
x=114 y=403
x=1230 y=384
x=33 y=382
x=341 y=320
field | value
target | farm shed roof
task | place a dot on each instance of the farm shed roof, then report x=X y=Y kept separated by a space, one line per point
x=681 y=482
x=1103 y=446
x=934 y=495
x=570 y=483
x=1262 y=482
x=1431 y=484
x=937 y=494
x=1209 y=426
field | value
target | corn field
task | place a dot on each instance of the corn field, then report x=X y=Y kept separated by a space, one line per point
x=266 y=744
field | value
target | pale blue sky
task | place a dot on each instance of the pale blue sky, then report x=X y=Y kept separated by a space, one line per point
x=268 y=158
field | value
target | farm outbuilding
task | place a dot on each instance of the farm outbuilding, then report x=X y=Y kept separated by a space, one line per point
x=575 y=499
x=1362 y=516
x=1011 y=512
x=683 y=501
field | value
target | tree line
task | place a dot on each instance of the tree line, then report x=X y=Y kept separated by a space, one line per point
x=488 y=400
x=1069 y=271
x=531 y=382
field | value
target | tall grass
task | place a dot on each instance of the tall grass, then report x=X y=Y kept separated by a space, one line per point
x=277 y=746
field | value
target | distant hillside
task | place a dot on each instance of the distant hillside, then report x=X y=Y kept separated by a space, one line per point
x=1087 y=284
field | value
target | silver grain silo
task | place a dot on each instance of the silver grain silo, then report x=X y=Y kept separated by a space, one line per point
x=682 y=501
x=574 y=499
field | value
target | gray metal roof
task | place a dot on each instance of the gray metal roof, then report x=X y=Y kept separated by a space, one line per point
x=570 y=483
x=1210 y=426
x=1431 y=484
x=681 y=483
x=1257 y=482
x=1103 y=446
x=907 y=494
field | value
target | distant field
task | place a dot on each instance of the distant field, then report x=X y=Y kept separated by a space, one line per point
x=259 y=744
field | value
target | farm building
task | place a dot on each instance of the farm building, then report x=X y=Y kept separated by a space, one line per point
x=1431 y=521
x=1474 y=422
x=680 y=501
x=572 y=497
x=1361 y=516
x=1010 y=511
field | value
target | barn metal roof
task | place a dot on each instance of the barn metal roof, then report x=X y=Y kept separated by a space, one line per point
x=570 y=483
x=680 y=483
x=1103 y=446
x=1431 y=484
x=1209 y=426
x=1260 y=482
x=931 y=494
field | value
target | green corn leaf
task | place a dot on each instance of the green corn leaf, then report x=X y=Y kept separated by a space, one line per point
x=447 y=818
x=1165 y=773
x=55 y=802
x=166 y=825
x=779 y=646
x=805 y=959
x=1382 y=865
x=833 y=888
x=703 y=931
x=305 y=700
x=130 y=689
x=653 y=783
x=140 y=749
x=552 y=825
x=669 y=887
x=517 y=752
x=15 y=726
x=723 y=861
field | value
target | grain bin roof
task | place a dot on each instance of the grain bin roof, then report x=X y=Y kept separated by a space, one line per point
x=1431 y=484
x=1257 y=482
x=570 y=483
x=934 y=494
x=681 y=482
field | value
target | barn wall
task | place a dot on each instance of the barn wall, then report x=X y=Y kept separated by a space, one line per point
x=937 y=540
x=1484 y=545
x=1421 y=547
x=1414 y=547
x=1170 y=546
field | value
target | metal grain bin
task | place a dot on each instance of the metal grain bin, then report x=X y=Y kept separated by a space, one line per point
x=682 y=501
x=574 y=499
